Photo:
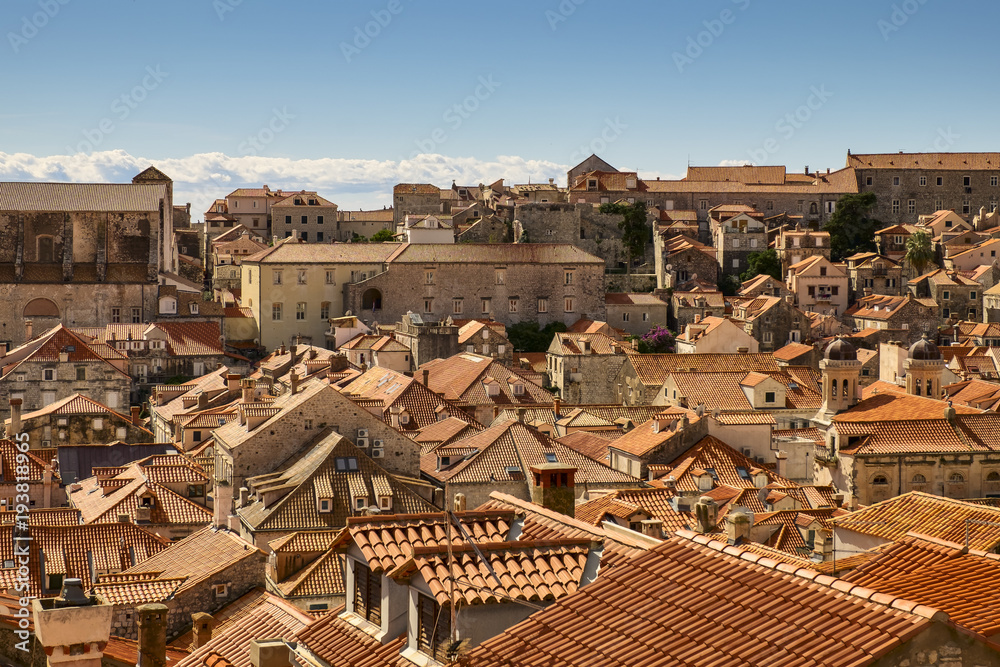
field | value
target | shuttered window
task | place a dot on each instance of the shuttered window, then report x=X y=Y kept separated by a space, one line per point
x=433 y=632
x=367 y=594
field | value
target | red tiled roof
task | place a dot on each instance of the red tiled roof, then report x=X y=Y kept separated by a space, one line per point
x=674 y=597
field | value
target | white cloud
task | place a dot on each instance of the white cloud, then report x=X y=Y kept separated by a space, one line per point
x=734 y=163
x=351 y=184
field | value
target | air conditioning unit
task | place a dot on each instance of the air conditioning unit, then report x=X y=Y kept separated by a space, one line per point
x=376 y=443
x=46 y=443
x=362 y=442
x=746 y=451
x=378 y=453
x=362 y=433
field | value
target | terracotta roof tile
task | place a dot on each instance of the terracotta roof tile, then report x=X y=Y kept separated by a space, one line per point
x=652 y=369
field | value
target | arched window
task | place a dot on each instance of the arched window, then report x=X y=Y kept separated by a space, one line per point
x=880 y=480
x=919 y=479
x=916 y=386
x=993 y=477
x=834 y=387
x=846 y=384
x=813 y=208
x=956 y=478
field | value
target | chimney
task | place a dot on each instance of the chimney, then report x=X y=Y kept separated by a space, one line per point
x=697 y=319
x=460 y=502
x=838 y=499
x=552 y=487
x=790 y=299
x=65 y=624
x=653 y=528
x=28 y=330
x=202 y=400
x=15 y=417
x=269 y=653
x=706 y=513
x=426 y=375
x=136 y=419
x=293 y=348
x=781 y=467
x=244 y=496
x=949 y=413
x=282 y=349
x=293 y=381
x=806 y=170
x=556 y=404
x=738 y=527
x=223 y=495
x=233 y=382
x=671 y=483
x=248 y=385
x=153 y=635
x=202 y=625
x=63 y=355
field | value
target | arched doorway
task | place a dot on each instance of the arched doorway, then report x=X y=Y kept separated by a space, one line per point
x=371 y=300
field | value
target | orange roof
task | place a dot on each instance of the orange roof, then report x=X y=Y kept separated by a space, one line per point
x=935 y=161
x=934 y=516
x=945 y=575
x=652 y=369
x=725 y=464
x=674 y=596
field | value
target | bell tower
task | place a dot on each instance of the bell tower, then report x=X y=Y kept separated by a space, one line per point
x=924 y=368
x=840 y=369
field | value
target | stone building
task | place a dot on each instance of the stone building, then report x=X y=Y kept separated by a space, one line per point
x=737 y=232
x=307 y=216
x=772 y=321
x=714 y=335
x=365 y=223
x=509 y=282
x=59 y=364
x=228 y=251
x=82 y=253
x=908 y=185
x=583 y=367
x=958 y=297
x=486 y=338
x=764 y=285
x=910 y=316
x=76 y=420
x=427 y=340
x=294 y=288
x=685 y=306
x=870 y=273
x=680 y=259
x=796 y=245
x=636 y=313
x=416 y=199
x=819 y=285
x=582 y=225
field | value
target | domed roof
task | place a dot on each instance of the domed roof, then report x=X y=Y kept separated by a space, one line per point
x=924 y=350
x=840 y=350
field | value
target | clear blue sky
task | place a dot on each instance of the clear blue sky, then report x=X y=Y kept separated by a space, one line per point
x=187 y=84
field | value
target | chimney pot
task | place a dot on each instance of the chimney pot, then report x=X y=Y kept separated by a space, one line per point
x=153 y=635
x=738 y=527
x=426 y=375
x=136 y=419
x=653 y=528
x=202 y=624
x=15 y=417
x=269 y=653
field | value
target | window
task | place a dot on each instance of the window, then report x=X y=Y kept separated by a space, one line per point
x=324 y=505
x=895 y=206
x=895 y=180
x=221 y=590
x=911 y=206
x=49 y=374
x=301 y=277
x=300 y=310
x=940 y=180
x=624 y=317
x=993 y=476
x=331 y=277
x=319 y=220
x=486 y=305
x=116 y=315
x=276 y=312
x=288 y=219
x=868 y=180
x=938 y=204
x=428 y=277
x=569 y=304
x=305 y=219
x=736 y=243
x=501 y=276
x=81 y=372
x=428 y=305
x=568 y=278
x=880 y=480
x=736 y=262
x=703 y=204
x=966 y=181
x=512 y=306
x=456 y=306
x=304 y=236
x=946 y=295
x=923 y=180
x=501 y=349
x=767 y=337
x=543 y=305
x=277 y=277
x=972 y=295
x=433 y=628
x=324 y=310
x=753 y=243
x=769 y=397
x=956 y=478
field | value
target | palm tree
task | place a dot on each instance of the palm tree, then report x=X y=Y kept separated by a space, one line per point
x=919 y=252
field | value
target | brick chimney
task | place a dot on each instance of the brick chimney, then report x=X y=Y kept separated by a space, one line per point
x=136 y=419
x=202 y=625
x=556 y=404
x=553 y=487
x=426 y=375
x=15 y=417
x=152 y=635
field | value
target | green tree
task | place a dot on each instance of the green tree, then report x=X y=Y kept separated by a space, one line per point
x=851 y=227
x=382 y=236
x=358 y=238
x=729 y=285
x=529 y=337
x=919 y=251
x=761 y=263
x=635 y=231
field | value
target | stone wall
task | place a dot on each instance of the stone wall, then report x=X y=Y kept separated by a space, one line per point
x=636 y=282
